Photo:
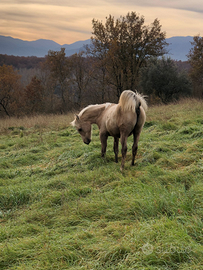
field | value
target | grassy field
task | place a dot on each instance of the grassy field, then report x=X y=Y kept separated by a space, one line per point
x=64 y=207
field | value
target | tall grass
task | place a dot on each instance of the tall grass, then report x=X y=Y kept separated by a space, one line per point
x=38 y=121
x=64 y=207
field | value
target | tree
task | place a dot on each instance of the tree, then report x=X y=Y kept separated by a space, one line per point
x=98 y=52
x=33 y=96
x=80 y=75
x=58 y=65
x=9 y=88
x=162 y=79
x=124 y=45
x=195 y=58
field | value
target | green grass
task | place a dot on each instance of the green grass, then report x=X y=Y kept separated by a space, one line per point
x=64 y=207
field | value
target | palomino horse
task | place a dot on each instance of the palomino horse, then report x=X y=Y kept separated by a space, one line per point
x=118 y=120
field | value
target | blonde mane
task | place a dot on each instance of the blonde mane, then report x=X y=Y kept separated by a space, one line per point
x=90 y=112
x=130 y=101
x=89 y=107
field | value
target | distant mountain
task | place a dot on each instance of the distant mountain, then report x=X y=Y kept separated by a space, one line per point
x=178 y=47
x=39 y=48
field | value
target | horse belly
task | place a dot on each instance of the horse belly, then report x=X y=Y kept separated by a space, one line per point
x=112 y=128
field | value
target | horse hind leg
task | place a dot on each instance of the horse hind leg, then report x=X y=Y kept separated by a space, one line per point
x=123 y=150
x=115 y=148
x=135 y=147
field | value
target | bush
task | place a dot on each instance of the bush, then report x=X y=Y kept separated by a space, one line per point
x=160 y=78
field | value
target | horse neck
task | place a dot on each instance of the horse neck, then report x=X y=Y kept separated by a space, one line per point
x=93 y=113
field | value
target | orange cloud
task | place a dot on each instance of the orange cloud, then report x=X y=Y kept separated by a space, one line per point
x=66 y=21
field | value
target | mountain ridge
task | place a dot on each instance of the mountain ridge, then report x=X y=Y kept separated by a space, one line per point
x=39 y=48
x=179 y=47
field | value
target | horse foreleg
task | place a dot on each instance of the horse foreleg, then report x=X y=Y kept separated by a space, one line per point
x=115 y=148
x=103 y=139
x=123 y=150
x=135 y=147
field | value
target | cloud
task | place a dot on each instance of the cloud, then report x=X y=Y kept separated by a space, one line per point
x=194 y=6
x=66 y=21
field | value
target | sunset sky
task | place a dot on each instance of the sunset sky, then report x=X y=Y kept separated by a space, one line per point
x=68 y=21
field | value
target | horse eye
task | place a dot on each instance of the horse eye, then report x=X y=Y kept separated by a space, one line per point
x=80 y=129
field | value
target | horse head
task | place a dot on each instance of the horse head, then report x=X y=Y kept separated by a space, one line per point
x=83 y=128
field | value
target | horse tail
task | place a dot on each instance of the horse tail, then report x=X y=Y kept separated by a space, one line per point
x=142 y=101
x=131 y=101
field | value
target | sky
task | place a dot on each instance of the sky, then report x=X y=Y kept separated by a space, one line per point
x=68 y=21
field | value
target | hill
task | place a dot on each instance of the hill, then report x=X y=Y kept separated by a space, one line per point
x=39 y=48
x=178 y=47
x=64 y=207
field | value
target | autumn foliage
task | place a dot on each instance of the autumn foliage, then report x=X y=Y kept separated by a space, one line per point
x=124 y=53
x=195 y=58
x=10 y=91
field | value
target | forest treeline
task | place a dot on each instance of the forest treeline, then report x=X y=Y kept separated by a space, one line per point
x=124 y=54
x=21 y=62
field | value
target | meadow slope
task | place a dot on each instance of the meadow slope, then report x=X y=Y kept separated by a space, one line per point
x=64 y=207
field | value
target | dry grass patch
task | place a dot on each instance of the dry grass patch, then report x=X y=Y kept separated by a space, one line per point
x=55 y=122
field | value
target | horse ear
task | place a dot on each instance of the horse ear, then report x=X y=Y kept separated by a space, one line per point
x=73 y=123
x=76 y=119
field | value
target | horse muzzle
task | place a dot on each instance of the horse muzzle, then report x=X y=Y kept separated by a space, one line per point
x=87 y=141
